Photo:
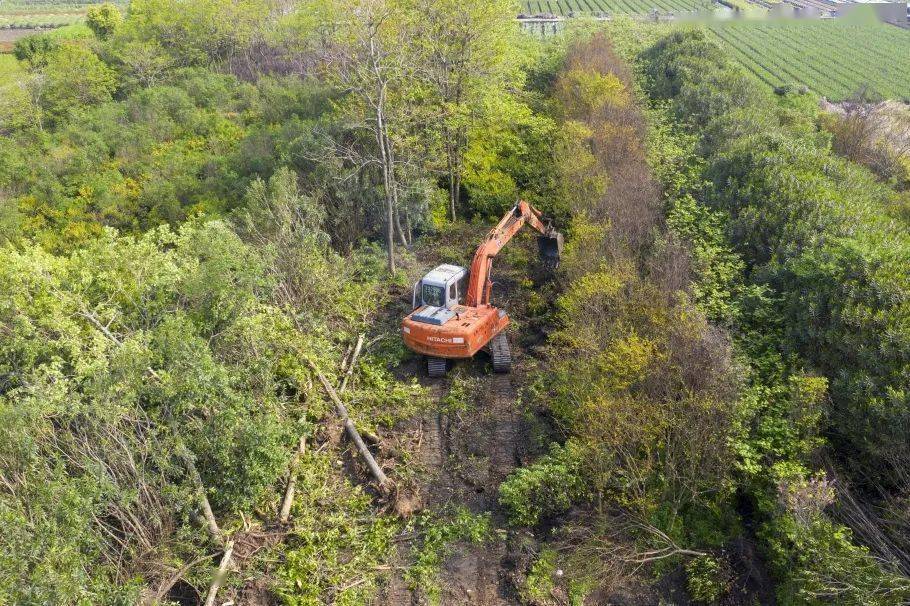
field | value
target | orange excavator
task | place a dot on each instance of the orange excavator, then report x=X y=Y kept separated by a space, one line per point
x=452 y=316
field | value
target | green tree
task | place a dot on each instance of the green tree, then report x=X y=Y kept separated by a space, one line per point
x=75 y=78
x=367 y=56
x=467 y=51
x=583 y=92
x=19 y=108
x=197 y=32
x=104 y=19
x=33 y=50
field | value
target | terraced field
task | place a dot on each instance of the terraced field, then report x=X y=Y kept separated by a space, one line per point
x=834 y=58
x=612 y=7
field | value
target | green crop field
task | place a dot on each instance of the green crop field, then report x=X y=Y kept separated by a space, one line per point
x=834 y=58
x=612 y=7
x=35 y=20
x=19 y=14
x=45 y=6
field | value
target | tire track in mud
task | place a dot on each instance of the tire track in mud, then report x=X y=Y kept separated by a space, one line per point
x=476 y=574
x=479 y=575
x=448 y=443
x=503 y=455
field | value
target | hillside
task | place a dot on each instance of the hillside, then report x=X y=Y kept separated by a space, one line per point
x=212 y=219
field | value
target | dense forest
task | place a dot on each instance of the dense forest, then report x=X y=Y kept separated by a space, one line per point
x=211 y=216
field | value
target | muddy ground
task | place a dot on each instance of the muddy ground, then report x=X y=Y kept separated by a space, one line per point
x=9 y=36
x=464 y=454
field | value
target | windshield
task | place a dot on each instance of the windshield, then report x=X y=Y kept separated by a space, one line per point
x=433 y=295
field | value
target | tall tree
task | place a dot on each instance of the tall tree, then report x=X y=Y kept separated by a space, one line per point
x=363 y=43
x=466 y=50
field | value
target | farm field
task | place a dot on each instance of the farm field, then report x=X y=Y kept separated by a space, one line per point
x=41 y=13
x=35 y=20
x=610 y=7
x=834 y=58
x=49 y=6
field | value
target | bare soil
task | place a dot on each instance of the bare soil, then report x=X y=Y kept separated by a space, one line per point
x=465 y=454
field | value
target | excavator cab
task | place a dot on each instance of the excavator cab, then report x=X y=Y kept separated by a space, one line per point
x=444 y=288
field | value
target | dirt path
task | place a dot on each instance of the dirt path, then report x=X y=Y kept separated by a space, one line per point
x=464 y=456
x=465 y=453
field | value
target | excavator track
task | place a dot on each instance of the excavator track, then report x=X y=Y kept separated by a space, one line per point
x=501 y=354
x=436 y=367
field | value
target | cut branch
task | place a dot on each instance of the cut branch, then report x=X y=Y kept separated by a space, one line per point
x=222 y=572
x=342 y=411
x=91 y=317
x=200 y=491
x=350 y=371
x=156 y=596
x=292 y=482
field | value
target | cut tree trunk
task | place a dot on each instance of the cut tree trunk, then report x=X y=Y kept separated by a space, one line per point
x=347 y=366
x=292 y=482
x=200 y=491
x=350 y=371
x=342 y=411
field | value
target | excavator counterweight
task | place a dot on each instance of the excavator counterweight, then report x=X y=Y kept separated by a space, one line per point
x=452 y=315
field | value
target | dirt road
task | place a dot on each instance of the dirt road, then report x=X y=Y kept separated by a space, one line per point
x=465 y=452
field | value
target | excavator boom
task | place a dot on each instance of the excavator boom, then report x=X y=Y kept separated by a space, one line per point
x=549 y=244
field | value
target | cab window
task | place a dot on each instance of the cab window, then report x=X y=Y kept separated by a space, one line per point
x=462 y=288
x=453 y=296
x=433 y=295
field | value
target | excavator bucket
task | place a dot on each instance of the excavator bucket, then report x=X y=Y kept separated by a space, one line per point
x=550 y=248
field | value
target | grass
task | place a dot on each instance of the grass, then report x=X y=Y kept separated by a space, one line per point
x=834 y=58
x=612 y=7
x=9 y=68
x=75 y=31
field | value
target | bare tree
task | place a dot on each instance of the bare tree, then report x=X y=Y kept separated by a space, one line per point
x=363 y=51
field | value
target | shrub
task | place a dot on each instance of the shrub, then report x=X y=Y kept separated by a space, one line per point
x=103 y=19
x=548 y=487
x=707 y=579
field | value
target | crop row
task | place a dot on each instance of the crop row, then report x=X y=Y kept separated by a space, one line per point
x=46 y=5
x=833 y=58
x=777 y=58
x=566 y=7
x=872 y=46
x=38 y=20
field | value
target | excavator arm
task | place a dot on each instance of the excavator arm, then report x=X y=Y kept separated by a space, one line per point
x=550 y=245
